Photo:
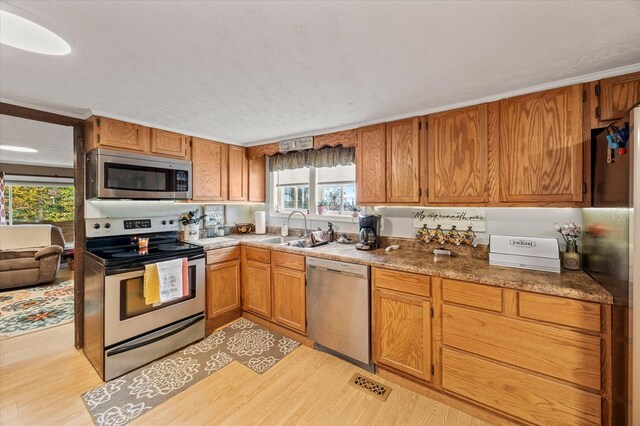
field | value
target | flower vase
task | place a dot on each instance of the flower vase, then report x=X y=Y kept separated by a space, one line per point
x=571 y=258
x=321 y=210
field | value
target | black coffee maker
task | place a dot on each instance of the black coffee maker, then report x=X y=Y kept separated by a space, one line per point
x=369 y=232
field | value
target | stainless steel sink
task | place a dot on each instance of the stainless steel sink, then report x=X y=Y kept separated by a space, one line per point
x=304 y=243
x=273 y=240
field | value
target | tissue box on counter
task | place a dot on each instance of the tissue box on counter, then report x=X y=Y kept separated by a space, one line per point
x=537 y=253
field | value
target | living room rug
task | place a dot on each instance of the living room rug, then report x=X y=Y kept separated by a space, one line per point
x=125 y=398
x=36 y=308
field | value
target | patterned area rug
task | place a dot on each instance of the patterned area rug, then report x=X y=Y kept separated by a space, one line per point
x=121 y=400
x=36 y=308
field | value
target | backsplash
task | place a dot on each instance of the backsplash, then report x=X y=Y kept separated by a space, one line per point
x=235 y=213
x=398 y=221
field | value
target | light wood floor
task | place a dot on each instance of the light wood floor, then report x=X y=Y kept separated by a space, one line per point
x=42 y=376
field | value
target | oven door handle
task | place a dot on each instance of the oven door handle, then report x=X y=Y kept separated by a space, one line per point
x=147 y=340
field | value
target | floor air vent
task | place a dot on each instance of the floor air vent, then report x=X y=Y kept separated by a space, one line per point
x=371 y=387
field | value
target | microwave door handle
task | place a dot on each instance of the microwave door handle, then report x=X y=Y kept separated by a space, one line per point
x=138 y=343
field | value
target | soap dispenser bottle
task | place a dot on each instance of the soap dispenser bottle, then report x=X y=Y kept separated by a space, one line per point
x=331 y=233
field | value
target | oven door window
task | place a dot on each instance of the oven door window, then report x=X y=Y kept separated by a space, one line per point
x=132 y=296
x=137 y=178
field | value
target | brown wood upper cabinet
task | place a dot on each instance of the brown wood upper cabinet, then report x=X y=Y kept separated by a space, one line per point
x=238 y=173
x=257 y=179
x=210 y=161
x=169 y=143
x=387 y=163
x=371 y=165
x=461 y=166
x=110 y=133
x=616 y=95
x=541 y=147
x=403 y=159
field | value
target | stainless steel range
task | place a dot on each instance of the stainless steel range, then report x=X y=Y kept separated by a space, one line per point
x=122 y=331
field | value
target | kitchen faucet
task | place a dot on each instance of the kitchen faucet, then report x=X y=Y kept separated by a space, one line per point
x=306 y=229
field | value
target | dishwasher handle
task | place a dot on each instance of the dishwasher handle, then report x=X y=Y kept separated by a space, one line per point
x=336 y=271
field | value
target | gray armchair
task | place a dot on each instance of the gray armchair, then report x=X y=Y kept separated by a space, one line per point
x=31 y=266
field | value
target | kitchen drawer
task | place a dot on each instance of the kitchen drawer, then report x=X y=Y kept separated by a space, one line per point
x=287 y=260
x=558 y=310
x=560 y=353
x=476 y=295
x=257 y=254
x=405 y=282
x=516 y=392
x=223 y=255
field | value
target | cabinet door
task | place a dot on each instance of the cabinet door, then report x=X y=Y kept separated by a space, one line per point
x=168 y=143
x=210 y=160
x=459 y=155
x=541 y=147
x=371 y=165
x=402 y=333
x=617 y=95
x=403 y=160
x=257 y=179
x=223 y=288
x=289 y=298
x=238 y=173
x=119 y=134
x=256 y=288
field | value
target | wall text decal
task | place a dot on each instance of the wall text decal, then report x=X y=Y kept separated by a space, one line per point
x=477 y=218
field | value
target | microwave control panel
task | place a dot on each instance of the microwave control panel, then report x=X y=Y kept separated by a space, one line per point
x=182 y=181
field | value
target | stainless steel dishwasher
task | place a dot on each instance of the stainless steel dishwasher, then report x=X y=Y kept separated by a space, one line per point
x=338 y=314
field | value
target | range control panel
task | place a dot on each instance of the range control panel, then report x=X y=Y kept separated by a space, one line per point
x=102 y=227
x=137 y=223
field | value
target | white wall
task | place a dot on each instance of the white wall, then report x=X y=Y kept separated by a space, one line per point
x=398 y=221
x=128 y=208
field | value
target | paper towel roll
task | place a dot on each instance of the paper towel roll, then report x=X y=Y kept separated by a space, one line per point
x=261 y=225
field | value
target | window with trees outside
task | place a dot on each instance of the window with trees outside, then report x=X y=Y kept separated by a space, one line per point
x=40 y=202
x=315 y=190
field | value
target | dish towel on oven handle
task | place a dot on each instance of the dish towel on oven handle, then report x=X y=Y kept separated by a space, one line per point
x=151 y=284
x=185 y=277
x=170 y=276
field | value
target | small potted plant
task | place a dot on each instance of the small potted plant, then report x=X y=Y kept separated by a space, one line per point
x=322 y=206
x=355 y=212
x=570 y=233
x=191 y=223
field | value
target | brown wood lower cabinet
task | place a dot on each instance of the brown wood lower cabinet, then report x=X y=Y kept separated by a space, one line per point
x=274 y=287
x=531 y=358
x=402 y=323
x=289 y=293
x=223 y=288
x=517 y=392
x=256 y=289
x=515 y=352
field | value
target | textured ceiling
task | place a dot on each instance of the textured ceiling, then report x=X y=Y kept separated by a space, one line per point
x=244 y=72
x=53 y=142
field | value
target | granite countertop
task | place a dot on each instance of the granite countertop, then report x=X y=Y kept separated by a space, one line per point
x=570 y=284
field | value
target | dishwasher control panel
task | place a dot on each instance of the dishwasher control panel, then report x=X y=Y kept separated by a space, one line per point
x=332 y=265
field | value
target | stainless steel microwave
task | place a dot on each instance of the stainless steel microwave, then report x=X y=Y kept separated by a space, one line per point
x=120 y=174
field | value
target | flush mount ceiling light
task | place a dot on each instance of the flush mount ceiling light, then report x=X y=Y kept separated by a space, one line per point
x=23 y=34
x=17 y=148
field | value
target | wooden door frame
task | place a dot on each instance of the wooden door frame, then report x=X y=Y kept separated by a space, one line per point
x=79 y=187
